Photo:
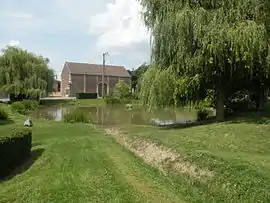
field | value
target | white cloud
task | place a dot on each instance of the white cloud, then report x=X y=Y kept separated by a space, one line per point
x=14 y=43
x=120 y=27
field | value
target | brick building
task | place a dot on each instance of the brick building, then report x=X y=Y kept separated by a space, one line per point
x=84 y=77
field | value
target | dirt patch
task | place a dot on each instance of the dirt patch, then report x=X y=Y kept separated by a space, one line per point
x=160 y=157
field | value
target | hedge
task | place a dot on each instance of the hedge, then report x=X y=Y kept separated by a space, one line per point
x=86 y=95
x=14 y=149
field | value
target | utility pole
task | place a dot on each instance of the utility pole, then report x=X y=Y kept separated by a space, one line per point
x=103 y=72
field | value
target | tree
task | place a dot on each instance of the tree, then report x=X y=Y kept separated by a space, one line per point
x=137 y=74
x=24 y=73
x=208 y=44
x=122 y=90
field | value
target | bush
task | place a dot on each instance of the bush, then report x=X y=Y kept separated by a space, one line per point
x=122 y=90
x=14 y=149
x=112 y=100
x=30 y=104
x=24 y=107
x=18 y=107
x=202 y=113
x=77 y=116
x=3 y=114
x=86 y=95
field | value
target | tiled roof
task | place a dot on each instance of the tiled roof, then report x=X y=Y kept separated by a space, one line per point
x=96 y=69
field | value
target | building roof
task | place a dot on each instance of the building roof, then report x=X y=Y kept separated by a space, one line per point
x=96 y=69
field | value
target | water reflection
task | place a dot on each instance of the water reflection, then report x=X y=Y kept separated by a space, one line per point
x=120 y=115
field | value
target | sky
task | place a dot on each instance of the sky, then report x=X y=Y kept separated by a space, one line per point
x=77 y=30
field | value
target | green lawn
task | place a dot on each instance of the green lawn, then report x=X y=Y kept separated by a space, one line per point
x=238 y=153
x=79 y=163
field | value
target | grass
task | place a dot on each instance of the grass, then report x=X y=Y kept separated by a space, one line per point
x=238 y=153
x=78 y=163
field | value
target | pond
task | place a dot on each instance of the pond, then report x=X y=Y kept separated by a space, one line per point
x=119 y=115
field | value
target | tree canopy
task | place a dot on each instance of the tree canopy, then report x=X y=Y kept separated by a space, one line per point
x=137 y=74
x=208 y=44
x=22 y=72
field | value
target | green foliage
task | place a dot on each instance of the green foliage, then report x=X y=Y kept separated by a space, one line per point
x=223 y=44
x=77 y=116
x=18 y=107
x=120 y=95
x=122 y=90
x=24 y=106
x=3 y=114
x=86 y=95
x=30 y=104
x=137 y=74
x=111 y=100
x=157 y=87
x=22 y=72
x=14 y=149
x=240 y=102
x=202 y=113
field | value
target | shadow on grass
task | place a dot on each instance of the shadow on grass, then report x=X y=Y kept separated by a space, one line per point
x=6 y=122
x=255 y=117
x=35 y=154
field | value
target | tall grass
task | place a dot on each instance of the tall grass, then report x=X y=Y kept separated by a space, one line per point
x=77 y=116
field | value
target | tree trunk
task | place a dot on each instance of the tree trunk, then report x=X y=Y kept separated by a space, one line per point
x=261 y=101
x=220 y=106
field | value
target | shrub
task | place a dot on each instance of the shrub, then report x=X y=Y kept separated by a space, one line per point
x=86 y=95
x=112 y=100
x=18 y=107
x=122 y=90
x=30 y=104
x=77 y=116
x=202 y=113
x=3 y=114
x=24 y=106
x=14 y=149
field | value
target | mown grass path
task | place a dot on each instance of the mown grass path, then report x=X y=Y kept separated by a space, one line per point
x=76 y=163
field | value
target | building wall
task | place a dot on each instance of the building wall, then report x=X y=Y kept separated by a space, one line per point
x=77 y=84
x=64 y=79
x=112 y=82
x=92 y=83
x=127 y=80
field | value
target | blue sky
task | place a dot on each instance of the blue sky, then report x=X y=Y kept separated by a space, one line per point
x=76 y=30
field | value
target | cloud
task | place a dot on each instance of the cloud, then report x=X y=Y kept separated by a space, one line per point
x=14 y=43
x=120 y=28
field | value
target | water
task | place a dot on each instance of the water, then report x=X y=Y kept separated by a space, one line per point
x=120 y=115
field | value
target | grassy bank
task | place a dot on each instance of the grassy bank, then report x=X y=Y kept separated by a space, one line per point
x=237 y=152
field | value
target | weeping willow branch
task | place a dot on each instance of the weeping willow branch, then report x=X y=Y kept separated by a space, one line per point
x=157 y=87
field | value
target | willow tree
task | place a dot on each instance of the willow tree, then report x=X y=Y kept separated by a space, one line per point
x=24 y=73
x=215 y=44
